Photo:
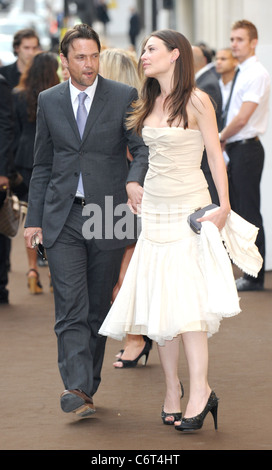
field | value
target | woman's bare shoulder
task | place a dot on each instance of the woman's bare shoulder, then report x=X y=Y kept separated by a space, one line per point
x=199 y=98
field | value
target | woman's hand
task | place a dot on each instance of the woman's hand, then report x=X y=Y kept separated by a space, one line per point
x=218 y=217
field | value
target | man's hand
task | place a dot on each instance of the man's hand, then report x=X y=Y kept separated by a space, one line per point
x=29 y=235
x=135 y=195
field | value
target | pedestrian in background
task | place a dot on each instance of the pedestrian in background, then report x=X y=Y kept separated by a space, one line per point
x=246 y=121
x=134 y=26
x=225 y=65
x=40 y=75
x=121 y=66
x=102 y=15
x=26 y=44
x=6 y=139
x=207 y=81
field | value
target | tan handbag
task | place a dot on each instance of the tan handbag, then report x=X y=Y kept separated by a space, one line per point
x=12 y=213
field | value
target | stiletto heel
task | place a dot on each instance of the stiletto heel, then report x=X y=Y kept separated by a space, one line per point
x=176 y=416
x=192 y=424
x=214 y=414
x=143 y=355
x=144 y=358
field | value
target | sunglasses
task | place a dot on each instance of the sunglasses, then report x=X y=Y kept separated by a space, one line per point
x=41 y=251
x=39 y=247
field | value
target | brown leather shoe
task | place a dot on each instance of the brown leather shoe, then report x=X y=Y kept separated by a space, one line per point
x=77 y=402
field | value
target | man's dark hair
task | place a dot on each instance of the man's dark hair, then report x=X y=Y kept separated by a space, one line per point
x=26 y=33
x=79 y=31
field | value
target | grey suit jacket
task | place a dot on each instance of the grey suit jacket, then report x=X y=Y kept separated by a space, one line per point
x=209 y=83
x=60 y=155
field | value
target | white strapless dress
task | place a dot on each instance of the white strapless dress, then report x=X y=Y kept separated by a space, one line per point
x=165 y=289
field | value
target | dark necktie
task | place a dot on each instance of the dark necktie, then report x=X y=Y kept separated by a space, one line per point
x=81 y=119
x=226 y=110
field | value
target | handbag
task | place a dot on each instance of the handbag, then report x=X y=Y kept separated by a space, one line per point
x=12 y=213
x=196 y=226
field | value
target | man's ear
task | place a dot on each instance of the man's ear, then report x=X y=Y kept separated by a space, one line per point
x=63 y=59
x=253 y=43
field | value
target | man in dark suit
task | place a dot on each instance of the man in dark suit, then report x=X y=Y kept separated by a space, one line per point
x=79 y=223
x=6 y=139
x=207 y=81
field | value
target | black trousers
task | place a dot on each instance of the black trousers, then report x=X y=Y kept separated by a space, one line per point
x=83 y=278
x=4 y=259
x=244 y=173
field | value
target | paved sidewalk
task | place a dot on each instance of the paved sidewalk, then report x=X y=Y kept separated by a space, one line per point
x=129 y=401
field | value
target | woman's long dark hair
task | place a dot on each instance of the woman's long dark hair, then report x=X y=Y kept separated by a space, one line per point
x=40 y=75
x=183 y=84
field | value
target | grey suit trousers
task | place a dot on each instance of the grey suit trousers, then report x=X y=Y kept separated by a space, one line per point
x=83 y=278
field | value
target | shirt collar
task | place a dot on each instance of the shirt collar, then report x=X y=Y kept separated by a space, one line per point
x=247 y=63
x=204 y=69
x=90 y=91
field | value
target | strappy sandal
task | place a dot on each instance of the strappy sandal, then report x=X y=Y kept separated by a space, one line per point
x=33 y=282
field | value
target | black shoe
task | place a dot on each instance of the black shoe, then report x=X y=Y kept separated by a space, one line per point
x=176 y=416
x=127 y=364
x=192 y=424
x=77 y=402
x=243 y=284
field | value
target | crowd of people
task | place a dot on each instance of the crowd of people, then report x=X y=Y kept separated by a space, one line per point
x=158 y=137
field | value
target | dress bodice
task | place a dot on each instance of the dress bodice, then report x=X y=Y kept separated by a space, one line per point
x=175 y=156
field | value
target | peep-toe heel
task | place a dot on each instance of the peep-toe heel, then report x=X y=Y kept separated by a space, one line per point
x=196 y=422
x=176 y=416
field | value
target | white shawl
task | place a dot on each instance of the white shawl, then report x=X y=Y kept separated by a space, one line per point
x=236 y=242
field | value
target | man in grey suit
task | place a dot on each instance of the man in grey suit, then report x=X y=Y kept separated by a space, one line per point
x=78 y=199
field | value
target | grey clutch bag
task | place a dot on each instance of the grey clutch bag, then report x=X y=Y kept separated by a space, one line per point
x=196 y=226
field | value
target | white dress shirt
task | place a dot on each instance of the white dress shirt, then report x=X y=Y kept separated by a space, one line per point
x=225 y=91
x=252 y=85
x=74 y=92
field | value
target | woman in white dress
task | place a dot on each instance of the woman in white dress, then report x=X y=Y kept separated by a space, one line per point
x=165 y=293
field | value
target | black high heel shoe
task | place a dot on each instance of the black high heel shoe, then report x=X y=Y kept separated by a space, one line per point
x=147 y=340
x=127 y=364
x=176 y=416
x=192 y=424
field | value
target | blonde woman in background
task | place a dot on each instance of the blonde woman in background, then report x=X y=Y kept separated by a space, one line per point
x=122 y=66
